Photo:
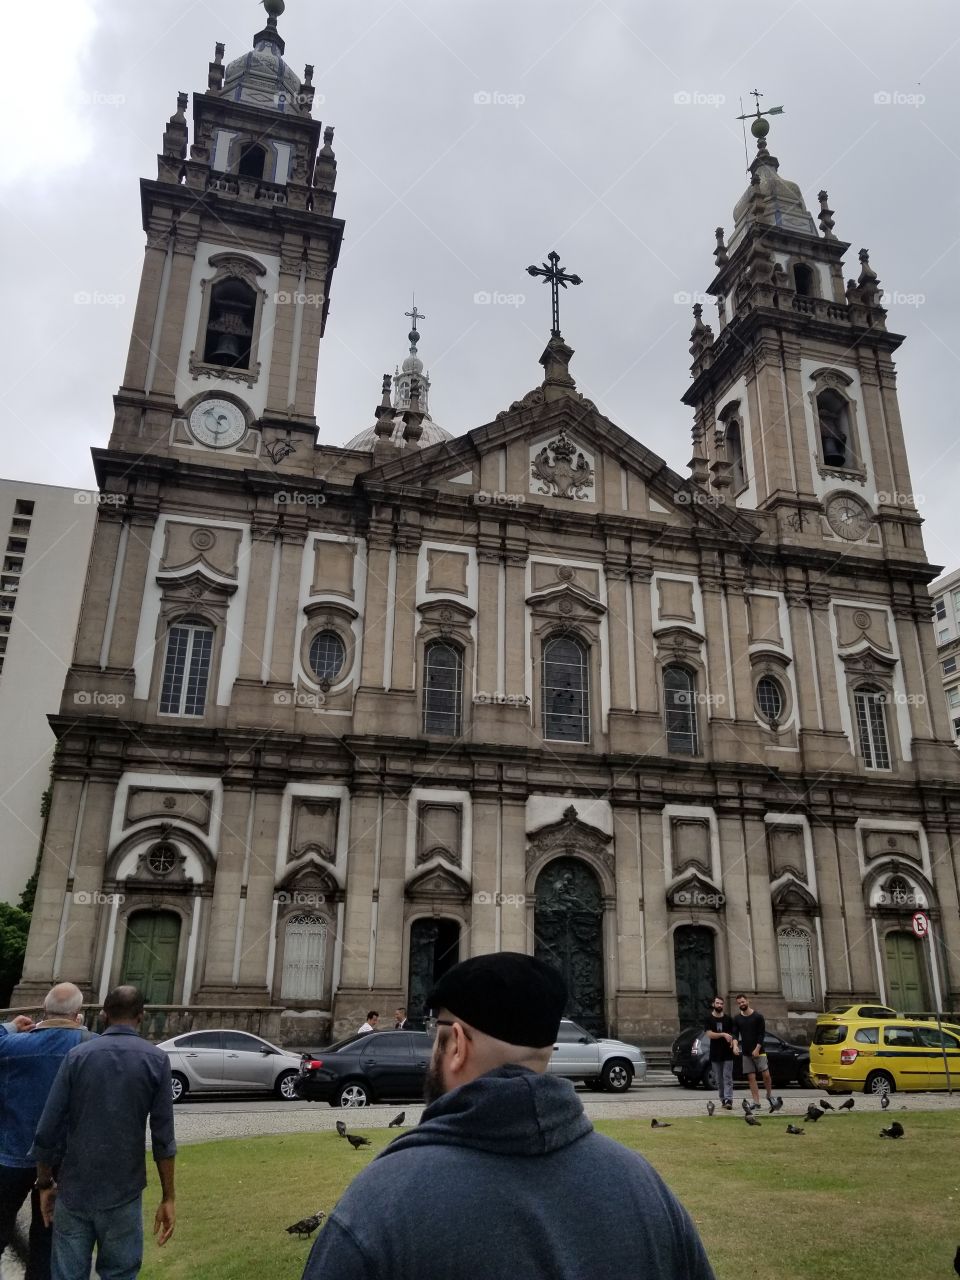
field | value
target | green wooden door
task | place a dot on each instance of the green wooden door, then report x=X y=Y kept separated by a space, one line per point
x=150 y=954
x=906 y=973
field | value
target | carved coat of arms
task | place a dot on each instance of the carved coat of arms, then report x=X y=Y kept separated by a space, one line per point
x=559 y=475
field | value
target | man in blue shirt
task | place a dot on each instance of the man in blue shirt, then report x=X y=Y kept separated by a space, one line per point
x=92 y=1131
x=30 y=1057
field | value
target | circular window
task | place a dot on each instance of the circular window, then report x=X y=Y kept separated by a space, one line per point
x=327 y=655
x=769 y=698
x=161 y=859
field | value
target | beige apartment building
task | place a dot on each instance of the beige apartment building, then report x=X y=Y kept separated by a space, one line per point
x=46 y=532
x=385 y=706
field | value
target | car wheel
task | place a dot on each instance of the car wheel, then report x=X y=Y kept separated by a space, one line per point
x=353 y=1094
x=879 y=1082
x=617 y=1076
x=286 y=1086
x=178 y=1086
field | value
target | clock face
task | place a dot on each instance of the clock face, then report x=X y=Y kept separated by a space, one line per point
x=218 y=423
x=849 y=517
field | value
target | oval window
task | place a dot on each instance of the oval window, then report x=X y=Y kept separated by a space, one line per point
x=769 y=698
x=327 y=654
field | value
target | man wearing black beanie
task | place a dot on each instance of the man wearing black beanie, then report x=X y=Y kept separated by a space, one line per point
x=504 y=1176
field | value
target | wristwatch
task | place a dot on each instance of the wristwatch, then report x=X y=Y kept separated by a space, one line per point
x=44 y=1184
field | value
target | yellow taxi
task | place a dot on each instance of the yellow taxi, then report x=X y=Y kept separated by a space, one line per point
x=880 y=1055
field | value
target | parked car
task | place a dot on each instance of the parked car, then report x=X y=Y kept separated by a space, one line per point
x=690 y=1061
x=601 y=1063
x=230 y=1062
x=374 y=1067
x=844 y=1012
x=885 y=1055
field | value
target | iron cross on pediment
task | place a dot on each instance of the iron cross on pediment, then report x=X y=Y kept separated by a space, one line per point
x=558 y=279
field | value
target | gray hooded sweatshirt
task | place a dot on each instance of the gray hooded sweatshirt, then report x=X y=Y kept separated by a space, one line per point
x=506 y=1179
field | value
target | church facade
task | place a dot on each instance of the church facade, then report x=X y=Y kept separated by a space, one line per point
x=338 y=717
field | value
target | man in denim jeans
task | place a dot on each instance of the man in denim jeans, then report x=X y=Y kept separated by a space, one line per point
x=92 y=1130
x=723 y=1050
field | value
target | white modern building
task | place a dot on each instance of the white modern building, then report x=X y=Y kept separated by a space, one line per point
x=46 y=533
x=946 y=624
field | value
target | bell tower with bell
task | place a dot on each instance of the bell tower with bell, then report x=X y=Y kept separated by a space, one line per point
x=794 y=396
x=242 y=243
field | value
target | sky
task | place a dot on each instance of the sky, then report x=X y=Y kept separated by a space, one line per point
x=473 y=137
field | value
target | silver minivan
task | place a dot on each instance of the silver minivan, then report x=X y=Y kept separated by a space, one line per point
x=611 y=1065
x=230 y=1062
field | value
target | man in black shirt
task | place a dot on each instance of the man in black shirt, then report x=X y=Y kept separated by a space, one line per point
x=750 y=1028
x=723 y=1049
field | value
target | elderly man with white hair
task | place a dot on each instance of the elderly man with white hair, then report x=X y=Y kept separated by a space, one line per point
x=30 y=1057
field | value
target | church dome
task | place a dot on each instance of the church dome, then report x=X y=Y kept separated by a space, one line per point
x=433 y=433
x=770 y=198
x=261 y=77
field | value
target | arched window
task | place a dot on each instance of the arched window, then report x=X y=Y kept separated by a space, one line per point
x=565 y=690
x=442 y=688
x=252 y=161
x=233 y=309
x=796 y=964
x=770 y=700
x=186 y=668
x=735 y=455
x=327 y=654
x=804 y=280
x=834 y=416
x=304 y=958
x=680 y=709
x=869 y=703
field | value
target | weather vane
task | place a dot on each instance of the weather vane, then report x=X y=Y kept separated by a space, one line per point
x=558 y=279
x=761 y=126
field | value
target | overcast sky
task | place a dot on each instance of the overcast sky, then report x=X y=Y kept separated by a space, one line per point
x=472 y=137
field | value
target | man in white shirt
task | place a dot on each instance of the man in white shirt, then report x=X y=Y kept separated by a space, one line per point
x=371 y=1023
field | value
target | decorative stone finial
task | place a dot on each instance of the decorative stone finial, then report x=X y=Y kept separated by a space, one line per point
x=720 y=252
x=413 y=417
x=867 y=282
x=216 y=69
x=384 y=411
x=826 y=217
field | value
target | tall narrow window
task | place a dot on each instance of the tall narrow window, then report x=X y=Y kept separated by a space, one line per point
x=252 y=162
x=803 y=279
x=735 y=455
x=872 y=726
x=565 y=690
x=680 y=708
x=796 y=964
x=186 y=669
x=442 y=688
x=834 y=428
x=233 y=309
x=304 y=956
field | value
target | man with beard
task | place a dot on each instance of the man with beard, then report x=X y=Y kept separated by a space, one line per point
x=505 y=1175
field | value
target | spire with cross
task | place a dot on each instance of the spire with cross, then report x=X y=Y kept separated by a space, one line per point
x=558 y=279
x=761 y=125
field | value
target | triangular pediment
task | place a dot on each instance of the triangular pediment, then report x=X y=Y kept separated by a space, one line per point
x=437 y=883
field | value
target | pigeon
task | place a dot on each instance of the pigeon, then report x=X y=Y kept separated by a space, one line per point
x=825 y=1105
x=397 y=1121
x=356 y=1142
x=813 y=1113
x=341 y=1129
x=751 y=1118
x=307 y=1226
x=746 y=1106
x=792 y=1128
x=847 y=1106
x=711 y=1108
x=775 y=1104
x=657 y=1124
x=884 y=1102
x=895 y=1130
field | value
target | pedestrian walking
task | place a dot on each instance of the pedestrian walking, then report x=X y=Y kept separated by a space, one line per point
x=750 y=1027
x=371 y=1023
x=30 y=1057
x=504 y=1176
x=89 y=1147
x=723 y=1049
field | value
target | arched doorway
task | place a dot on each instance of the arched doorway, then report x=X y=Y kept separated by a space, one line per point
x=568 y=933
x=906 y=972
x=150 y=954
x=434 y=948
x=695 y=967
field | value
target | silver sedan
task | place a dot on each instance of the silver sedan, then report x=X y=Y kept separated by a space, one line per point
x=230 y=1062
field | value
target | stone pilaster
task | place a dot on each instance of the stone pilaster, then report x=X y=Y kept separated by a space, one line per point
x=228 y=882
x=258 y=925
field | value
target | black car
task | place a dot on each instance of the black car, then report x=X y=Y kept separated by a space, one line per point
x=690 y=1060
x=380 y=1066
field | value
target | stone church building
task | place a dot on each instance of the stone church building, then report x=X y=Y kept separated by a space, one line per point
x=339 y=716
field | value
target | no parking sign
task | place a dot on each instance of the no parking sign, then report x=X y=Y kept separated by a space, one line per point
x=921 y=924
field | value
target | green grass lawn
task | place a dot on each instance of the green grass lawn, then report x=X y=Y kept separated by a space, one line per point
x=838 y=1201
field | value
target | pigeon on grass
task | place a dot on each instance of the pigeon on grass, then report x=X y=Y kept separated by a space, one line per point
x=848 y=1105
x=893 y=1131
x=397 y=1121
x=307 y=1226
x=792 y=1128
x=711 y=1108
x=341 y=1129
x=751 y=1119
x=356 y=1142
x=657 y=1124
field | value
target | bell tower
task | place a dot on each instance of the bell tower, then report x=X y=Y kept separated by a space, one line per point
x=794 y=398
x=241 y=249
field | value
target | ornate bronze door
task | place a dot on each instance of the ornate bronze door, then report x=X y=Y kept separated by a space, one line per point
x=696 y=972
x=434 y=948
x=568 y=929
